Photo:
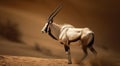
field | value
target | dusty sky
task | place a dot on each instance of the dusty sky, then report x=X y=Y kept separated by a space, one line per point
x=101 y=16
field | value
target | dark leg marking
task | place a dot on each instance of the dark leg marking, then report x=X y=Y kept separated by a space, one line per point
x=93 y=50
x=67 y=50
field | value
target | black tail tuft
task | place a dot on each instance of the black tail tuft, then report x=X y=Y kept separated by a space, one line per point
x=91 y=42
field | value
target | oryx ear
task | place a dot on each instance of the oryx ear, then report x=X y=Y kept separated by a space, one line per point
x=51 y=21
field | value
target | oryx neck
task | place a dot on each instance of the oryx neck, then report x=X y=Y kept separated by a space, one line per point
x=54 y=30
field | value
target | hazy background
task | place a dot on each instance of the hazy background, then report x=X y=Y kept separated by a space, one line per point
x=21 y=22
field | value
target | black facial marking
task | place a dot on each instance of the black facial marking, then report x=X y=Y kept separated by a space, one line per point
x=47 y=28
x=49 y=32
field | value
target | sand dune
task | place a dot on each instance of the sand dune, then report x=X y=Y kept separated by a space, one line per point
x=18 y=49
x=16 y=54
x=30 y=61
x=33 y=61
x=101 y=16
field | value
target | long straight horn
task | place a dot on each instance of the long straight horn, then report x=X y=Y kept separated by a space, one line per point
x=55 y=12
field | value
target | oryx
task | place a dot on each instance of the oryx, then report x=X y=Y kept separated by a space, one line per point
x=67 y=33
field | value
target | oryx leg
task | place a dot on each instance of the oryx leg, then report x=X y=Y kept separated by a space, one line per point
x=90 y=45
x=84 y=48
x=67 y=50
x=84 y=40
x=93 y=50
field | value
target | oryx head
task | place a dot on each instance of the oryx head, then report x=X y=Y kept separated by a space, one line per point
x=45 y=29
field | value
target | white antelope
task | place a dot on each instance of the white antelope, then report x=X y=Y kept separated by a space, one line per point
x=67 y=33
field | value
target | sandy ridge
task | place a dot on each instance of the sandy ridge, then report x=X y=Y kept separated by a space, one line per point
x=32 y=61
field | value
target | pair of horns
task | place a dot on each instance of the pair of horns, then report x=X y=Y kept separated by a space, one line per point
x=55 y=12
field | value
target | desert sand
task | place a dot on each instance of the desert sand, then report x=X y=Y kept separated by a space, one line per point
x=37 y=49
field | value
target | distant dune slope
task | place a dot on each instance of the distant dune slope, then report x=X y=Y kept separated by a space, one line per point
x=18 y=49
